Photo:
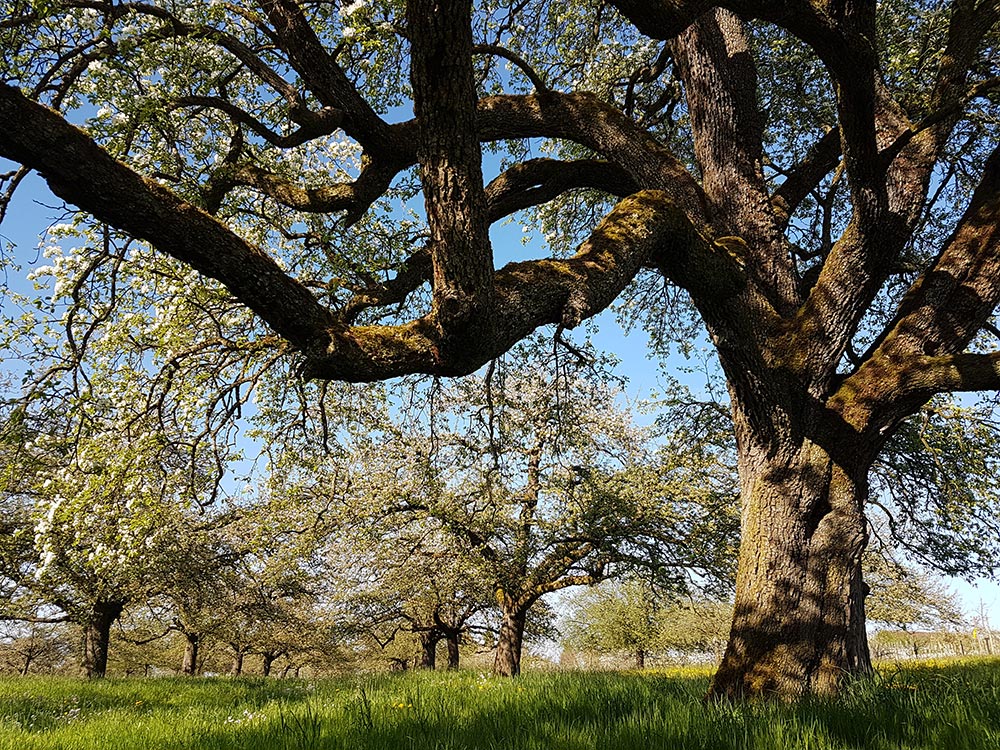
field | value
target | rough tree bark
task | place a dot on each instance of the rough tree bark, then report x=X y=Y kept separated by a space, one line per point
x=428 y=649
x=97 y=637
x=798 y=625
x=507 y=661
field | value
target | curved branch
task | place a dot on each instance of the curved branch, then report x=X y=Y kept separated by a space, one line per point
x=81 y=172
x=591 y=122
x=494 y=49
x=353 y=197
x=415 y=271
x=538 y=181
x=923 y=376
x=320 y=72
x=823 y=156
x=314 y=124
x=644 y=229
x=649 y=228
x=940 y=314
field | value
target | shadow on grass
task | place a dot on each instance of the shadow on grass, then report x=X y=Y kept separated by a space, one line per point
x=941 y=707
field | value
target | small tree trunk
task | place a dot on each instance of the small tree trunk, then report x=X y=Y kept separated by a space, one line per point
x=453 y=654
x=640 y=658
x=428 y=649
x=97 y=636
x=269 y=658
x=798 y=625
x=286 y=670
x=237 y=668
x=508 y=655
x=189 y=665
x=28 y=658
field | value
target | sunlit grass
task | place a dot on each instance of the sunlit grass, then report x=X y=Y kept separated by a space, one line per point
x=942 y=705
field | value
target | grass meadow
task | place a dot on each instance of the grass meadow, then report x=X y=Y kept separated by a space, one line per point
x=945 y=706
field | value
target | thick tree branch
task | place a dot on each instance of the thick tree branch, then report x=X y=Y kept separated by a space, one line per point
x=314 y=124
x=353 y=197
x=582 y=579
x=538 y=181
x=924 y=376
x=520 y=62
x=635 y=160
x=415 y=271
x=646 y=229
x=450 y=158
x=720 y=81
x=589 y=121
x=81 y=172
x=969 y=24
x=643 y=229
x=311 y=60
x=941 y=312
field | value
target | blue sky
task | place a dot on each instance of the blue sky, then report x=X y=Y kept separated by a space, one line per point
x=35 y=207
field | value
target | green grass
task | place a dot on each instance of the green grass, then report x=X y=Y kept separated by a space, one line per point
x=946 y=706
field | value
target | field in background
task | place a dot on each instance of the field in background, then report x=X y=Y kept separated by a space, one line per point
x=931 y=705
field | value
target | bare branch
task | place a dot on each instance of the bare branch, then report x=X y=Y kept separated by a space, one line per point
x=807 y=174
x=316 y=124
x=415 y=271
x=520 y=62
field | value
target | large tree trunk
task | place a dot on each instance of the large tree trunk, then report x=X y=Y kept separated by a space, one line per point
x=640 y=658
x=97 y=636
x=508 y=655
x=189 y=666
x=428 y=649
x=453 y=654
x=799 y=624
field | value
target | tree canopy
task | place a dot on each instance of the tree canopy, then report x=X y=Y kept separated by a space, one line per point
x=816 y=183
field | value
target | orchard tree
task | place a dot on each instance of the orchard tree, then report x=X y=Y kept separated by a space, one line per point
x=534 y=479
x=92 y=506
x=609 y=619
x=425 y=587
x=819 y=180
x=633 y=616
x=908 y=598
x=409 y=576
